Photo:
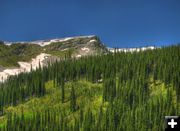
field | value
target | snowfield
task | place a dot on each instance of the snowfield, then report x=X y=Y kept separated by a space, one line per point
x=24 y=67
x=91 y=41
x=85 y=49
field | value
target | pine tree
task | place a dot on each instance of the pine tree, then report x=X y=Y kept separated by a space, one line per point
x=62 y=92
x=73 y=99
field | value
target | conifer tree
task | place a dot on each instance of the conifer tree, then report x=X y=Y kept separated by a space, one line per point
x=73 y=99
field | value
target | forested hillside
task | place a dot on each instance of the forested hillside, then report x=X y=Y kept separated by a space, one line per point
x=112 y=92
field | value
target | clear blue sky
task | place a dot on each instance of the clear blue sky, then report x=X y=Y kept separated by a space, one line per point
x=119 y=23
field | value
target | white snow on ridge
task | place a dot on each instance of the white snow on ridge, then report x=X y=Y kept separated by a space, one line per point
x=44 y=43
x=85 y=49
x=8 y=44
x=92 y=41
x=24 y=67
x=131 y=49
x=47 y=42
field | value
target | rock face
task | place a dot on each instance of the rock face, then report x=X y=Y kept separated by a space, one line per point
x=84 y=45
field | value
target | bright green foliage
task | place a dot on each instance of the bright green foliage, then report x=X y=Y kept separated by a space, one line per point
x=112 y=92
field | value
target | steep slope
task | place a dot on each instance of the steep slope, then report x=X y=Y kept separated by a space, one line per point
x=125 y=91
x=10 y=55
x=19 y=57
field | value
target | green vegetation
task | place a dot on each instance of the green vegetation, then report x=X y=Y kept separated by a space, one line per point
x=52 y=100
x=10 y=55
x=61 y=54
x=112 y=92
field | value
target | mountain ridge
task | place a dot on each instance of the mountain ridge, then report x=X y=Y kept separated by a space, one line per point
x=76 y=45
x=47 y=40
x=18 y=57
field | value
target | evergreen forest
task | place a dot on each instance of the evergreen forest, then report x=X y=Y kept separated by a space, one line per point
x=120 y=91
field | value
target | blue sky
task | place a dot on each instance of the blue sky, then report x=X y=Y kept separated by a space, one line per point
x=119 y=23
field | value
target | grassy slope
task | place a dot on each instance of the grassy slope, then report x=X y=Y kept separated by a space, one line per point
x=61 y=54
x=10 y=55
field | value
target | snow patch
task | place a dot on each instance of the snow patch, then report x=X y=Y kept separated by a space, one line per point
x=85 y=49
x=78 y=56
x=91 y=41
x=24 y=67
x=65 y=49
x=8 y=44
x=132 y=49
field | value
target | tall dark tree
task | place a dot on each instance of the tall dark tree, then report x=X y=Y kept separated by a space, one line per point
x=73 y=106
